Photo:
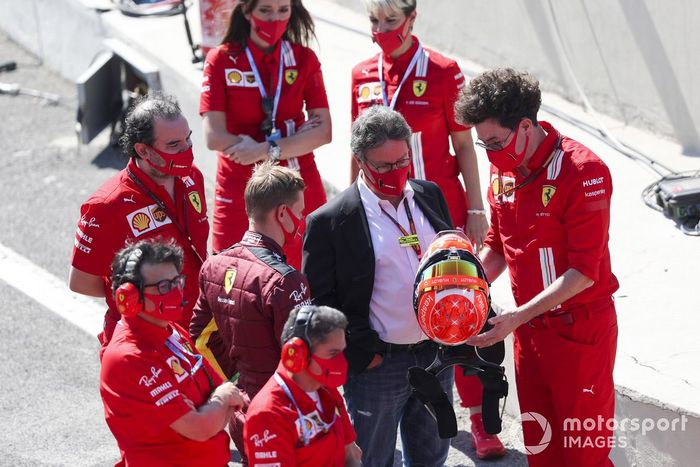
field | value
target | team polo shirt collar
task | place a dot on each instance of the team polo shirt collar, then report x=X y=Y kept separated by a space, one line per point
x=263 y=59
x=155 y=188
x=251 y=238
x=147 y=181
x=148 y=332
x=400 y=64
x=305 y=402
x=545 y=148
x=371 y=201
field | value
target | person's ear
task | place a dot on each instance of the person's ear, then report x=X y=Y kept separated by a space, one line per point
x=141 y=149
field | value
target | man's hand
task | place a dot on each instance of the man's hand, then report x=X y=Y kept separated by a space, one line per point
x=376 y=361
x=229 y=395
x=247 y=151
x=353 y=455
x=503 y=325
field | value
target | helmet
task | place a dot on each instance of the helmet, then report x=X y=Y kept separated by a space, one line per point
x=451 y=293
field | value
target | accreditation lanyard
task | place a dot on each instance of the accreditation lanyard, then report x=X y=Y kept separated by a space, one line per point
x=161 y=204
x=180 y=351
x=410 y=68
x=407 y=239
x=306 y=436
x=530 y=178
x=261 y=86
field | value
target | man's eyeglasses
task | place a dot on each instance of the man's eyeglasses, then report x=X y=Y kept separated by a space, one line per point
x=493 y=147
x=166 y=285
x=385 y=168
x=266 y=125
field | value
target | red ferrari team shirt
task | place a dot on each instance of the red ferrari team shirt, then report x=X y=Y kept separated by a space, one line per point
x=229 y=86
x=273 y=431
x=122 y=211
x=426 y=100
x=558 y=221
x=146 y=386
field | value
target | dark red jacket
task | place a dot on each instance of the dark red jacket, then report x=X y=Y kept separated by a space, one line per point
x=246 y=294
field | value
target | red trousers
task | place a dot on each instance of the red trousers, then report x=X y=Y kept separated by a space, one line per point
x=468 y=387
x=231 y=221
x=564 y=373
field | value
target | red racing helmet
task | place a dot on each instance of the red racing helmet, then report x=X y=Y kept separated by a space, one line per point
x=451 y=293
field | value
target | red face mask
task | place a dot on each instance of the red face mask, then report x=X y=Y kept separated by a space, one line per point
x=178 y=164
x=507 y=159
x=168 y=306
x=292 y=239
x=389 y=41
x=390 y=183
x=269 y=31
x=334 y=371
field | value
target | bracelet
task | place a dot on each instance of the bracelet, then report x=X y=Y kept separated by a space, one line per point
x=477 y=211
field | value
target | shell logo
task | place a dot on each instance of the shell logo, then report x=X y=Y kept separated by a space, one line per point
x=364 y=92
x=235 y=77
x=141 y=222
x=496 y=187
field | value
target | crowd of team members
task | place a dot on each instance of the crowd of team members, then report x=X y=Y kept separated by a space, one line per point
x=251 y=337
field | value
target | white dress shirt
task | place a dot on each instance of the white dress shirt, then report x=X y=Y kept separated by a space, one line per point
x=391 y=307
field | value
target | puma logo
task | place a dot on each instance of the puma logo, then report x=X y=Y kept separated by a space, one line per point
x=589 y=390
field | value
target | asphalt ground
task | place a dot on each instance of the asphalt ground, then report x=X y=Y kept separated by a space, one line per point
x=49 y=386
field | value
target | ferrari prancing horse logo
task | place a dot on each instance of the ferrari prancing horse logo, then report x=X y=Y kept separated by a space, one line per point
x=229 y=279
x=195 y=201
x=547 y=193
x=419 y=87
x=290 y=76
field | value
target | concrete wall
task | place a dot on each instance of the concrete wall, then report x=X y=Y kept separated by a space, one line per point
x=64 y=34
x=635 y=59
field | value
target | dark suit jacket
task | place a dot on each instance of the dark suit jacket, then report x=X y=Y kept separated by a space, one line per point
x=339 y=261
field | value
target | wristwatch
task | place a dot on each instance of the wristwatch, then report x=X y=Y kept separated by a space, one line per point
x=274 y=152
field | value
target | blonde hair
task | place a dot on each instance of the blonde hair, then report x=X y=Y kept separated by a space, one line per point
x=406 y=6
x=269 y=186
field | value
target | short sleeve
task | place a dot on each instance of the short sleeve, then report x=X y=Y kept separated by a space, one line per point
x=96 y=240
x=314 y=90
x=452 y=84
x=587 y=218
x=269 y=439
x=141 y=391
x=213 y=92
x=348 y=429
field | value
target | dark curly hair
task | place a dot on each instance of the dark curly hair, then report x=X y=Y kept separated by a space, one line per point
x=153 y=251
x=300 y=29
x=502 y=94
x=140 y=120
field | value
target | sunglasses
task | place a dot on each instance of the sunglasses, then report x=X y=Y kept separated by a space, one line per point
x=166 y=285
x=266 y=125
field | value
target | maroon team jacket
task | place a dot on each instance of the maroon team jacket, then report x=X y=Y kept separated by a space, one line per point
x=246 y=294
